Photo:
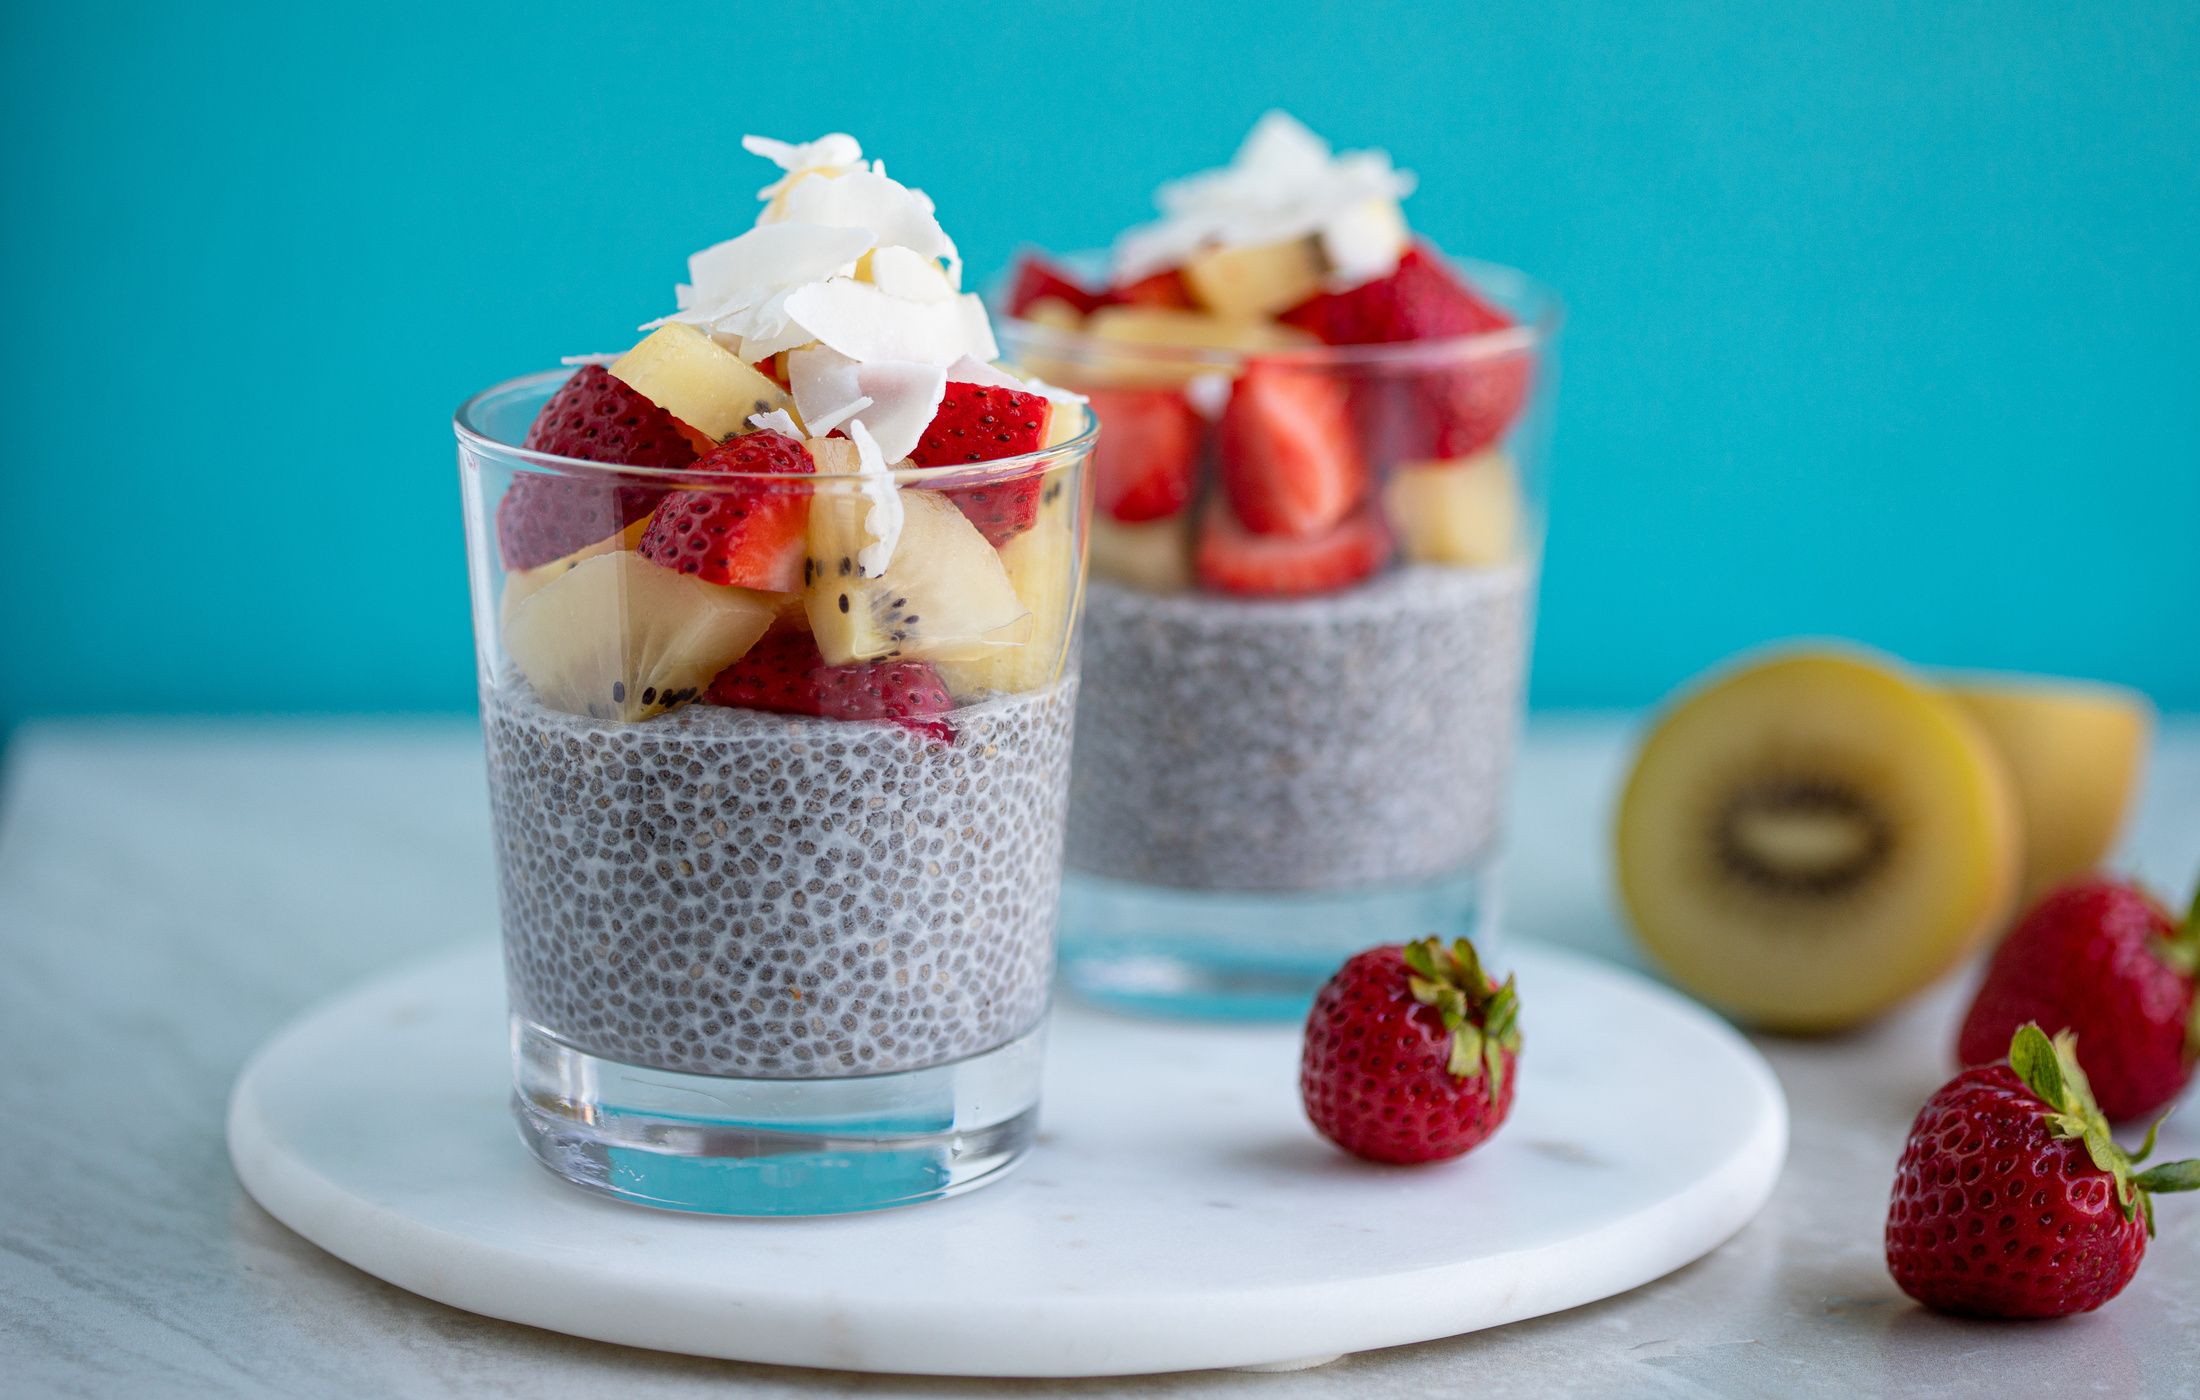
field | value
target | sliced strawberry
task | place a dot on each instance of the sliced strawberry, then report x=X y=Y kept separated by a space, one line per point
x=784 y=674
x=1039 y=280
x=1416 y=414
x=750 y=534
x=1147 y=460
x=1288 y=450
x=597 y=419
x=1421 y=299
x=1161 y=289
x=1232 y=559
x=978 y=423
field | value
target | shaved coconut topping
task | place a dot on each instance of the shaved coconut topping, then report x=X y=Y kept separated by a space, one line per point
x=832 y=154
x=895 y=215
x=905 y=273
x=576 y=361
x=1283 y=184
x=870 y=356
x=883 y=522
x=776 y=421
x=864 y=323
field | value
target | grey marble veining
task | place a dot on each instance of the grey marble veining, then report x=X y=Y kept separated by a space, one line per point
x=170 y=893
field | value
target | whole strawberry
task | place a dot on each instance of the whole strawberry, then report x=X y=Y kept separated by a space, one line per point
x=2104 y=960
x=1410 y=1053
x=2012 y=1201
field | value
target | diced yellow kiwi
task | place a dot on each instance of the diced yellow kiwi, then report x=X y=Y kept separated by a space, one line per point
x=697 y=380
x=1154 y=555
x=1046 y=568
x=1811 y=838
x=944 y=596
x=522 y=584
x=1195 y=330
x=1464 y=512
x=1252 y=282
x=621 y=638
x=1055 y=312
x=2074 y=751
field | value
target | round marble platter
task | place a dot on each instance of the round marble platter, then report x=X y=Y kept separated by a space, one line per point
x=1178 y=1213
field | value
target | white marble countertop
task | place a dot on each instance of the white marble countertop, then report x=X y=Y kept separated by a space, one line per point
x=172 y=892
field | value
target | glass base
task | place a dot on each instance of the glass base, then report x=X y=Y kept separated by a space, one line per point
x=774 y=1147
x=1228 y=955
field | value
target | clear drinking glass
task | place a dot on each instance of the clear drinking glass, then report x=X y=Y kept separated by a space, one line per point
x=1264 y=785
x=763 y=962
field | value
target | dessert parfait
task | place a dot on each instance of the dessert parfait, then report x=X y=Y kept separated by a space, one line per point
x=1313 y=554
x=775 y=614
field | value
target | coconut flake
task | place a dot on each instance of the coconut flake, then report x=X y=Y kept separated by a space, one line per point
x=898 y=398
x=576 y=361
x=896 y=215
x=828 y=419
x=1362 y=244
x=1284 y=183
x=910 y=275
x=864 y=323
x=739 y=288
x=832 y=154
x=776 y=421
x=883 y=521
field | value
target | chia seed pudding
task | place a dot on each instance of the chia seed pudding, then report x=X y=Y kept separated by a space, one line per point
x=731 y=892
x=1320 y=743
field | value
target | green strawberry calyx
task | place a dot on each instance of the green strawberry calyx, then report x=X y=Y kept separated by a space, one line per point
x=2181 y=950
x=1483 y=1016
x=2049 y=1068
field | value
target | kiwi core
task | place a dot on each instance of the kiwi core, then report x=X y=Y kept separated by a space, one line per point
x=1801 y=836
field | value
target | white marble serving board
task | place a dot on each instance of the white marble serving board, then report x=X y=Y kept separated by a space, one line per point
x=1177 y=1214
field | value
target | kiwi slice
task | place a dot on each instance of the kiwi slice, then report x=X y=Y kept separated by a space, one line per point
x=1046 y=569
x=618 y=637
x=945 y=595
x=1810 y=839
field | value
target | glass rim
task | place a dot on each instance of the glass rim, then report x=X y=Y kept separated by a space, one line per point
x=466 y=423
x=1542 y=315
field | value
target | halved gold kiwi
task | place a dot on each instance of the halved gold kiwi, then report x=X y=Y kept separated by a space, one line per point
x=1808 y=840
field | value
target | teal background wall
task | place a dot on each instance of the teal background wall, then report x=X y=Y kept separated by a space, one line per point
x=1885 y=316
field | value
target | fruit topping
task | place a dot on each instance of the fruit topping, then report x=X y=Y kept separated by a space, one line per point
x=1810 y=839
x=1232 y=559
x=944 y=594
x=1411 y=1053
x=1044 y=566
x=697 y=380
x=979 y=423
x=2012 y=1201
x=1038 y=280
x=1289 y=458
x=1421 y=299
x=595 y=418
x=1257 y=281
x=619 y=638
x=785 y=673
x=2105 y=961
x=1147 y=459
x=1464 y=513
x=2074 y=751
x=1451 y=411
x=750 y=534
x=1162 y=289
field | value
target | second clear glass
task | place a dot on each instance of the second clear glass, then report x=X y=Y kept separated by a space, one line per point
x=1265 y=785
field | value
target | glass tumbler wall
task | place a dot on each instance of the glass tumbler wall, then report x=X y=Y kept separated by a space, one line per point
x=779 y=868
x=1289 y=747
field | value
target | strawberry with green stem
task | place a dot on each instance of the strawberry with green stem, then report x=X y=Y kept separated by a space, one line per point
x=1411 y=1052
x=2011 y=1200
